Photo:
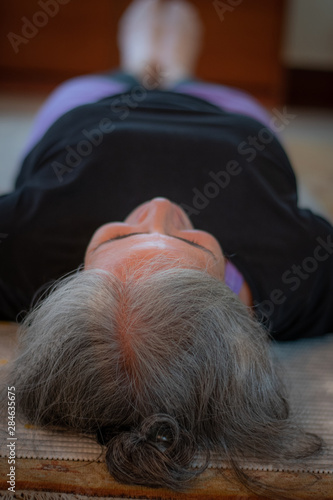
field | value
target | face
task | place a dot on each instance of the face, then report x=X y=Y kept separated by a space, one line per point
x=155 y=227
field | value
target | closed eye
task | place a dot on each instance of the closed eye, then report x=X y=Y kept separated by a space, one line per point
x=123 y=236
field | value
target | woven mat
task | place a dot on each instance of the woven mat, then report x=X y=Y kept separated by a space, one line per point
x=307 y=366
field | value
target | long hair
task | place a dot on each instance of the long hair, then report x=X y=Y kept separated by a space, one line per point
x=159 y=365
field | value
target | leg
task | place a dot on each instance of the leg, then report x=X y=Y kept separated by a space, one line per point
x=161 y=34
x=168 y=34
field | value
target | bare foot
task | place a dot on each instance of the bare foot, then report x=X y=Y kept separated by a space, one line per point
x=181 y=41
x=138 y=36
x=161 y=38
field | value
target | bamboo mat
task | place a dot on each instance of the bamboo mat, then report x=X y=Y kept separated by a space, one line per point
x=307 y=366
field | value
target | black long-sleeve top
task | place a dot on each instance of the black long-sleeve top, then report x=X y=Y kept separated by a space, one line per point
x=99 y=161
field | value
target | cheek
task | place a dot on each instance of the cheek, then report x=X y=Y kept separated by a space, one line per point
x=207 y=240
x=87 y=259
x=99 y=233
x=106 y=232
x=103 y=233
x=214 y=245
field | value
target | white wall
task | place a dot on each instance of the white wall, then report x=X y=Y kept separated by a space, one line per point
x=308 y=40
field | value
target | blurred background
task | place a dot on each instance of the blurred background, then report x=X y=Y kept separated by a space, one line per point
x=281 y=51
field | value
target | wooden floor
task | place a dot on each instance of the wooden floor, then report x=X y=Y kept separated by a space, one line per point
x=93 y=479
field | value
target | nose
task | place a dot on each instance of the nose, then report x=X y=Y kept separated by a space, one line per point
x=161 y=216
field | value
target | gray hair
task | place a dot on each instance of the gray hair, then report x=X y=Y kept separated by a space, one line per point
x=159 y=365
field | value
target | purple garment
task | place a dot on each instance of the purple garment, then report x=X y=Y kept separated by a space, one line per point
x=69 y=95
x=233 y=278
x=92 y=88
x=227 y=98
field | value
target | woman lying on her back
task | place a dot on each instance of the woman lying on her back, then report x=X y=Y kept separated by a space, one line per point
x=159 y=343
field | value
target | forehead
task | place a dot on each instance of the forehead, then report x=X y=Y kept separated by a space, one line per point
x=137 y=260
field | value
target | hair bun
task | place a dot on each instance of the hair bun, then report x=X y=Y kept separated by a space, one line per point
x=157 y=453
x=161 y=429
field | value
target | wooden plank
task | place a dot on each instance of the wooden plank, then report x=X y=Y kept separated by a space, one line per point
x=93 y=479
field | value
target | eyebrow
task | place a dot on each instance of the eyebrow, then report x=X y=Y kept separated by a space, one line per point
x=192 y=243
